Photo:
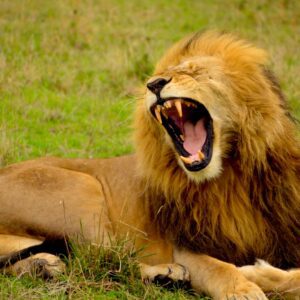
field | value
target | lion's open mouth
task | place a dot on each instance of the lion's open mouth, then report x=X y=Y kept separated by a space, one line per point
x=189 y=124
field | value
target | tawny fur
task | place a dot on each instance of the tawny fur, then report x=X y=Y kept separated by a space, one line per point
x=244 y=205
x=252 y=208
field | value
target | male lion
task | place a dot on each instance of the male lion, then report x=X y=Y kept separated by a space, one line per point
x=214 y=185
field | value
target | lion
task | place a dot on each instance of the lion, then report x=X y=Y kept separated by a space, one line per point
x=212 y=192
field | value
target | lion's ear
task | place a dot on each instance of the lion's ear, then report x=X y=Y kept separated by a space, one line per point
x=277 y=90
x=274 y=83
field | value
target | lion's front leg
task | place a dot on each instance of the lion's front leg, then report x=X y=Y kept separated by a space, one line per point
x=216 y=278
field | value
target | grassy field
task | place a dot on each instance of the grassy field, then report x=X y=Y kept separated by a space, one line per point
x=68 y=74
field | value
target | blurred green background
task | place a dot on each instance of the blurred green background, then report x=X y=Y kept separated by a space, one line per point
x=69 y=70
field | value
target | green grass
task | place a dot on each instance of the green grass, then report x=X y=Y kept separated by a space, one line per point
x=69 y=71
x=93 y=273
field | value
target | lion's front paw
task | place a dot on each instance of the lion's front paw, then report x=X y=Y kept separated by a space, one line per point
x=164 y=274
x=245 y=290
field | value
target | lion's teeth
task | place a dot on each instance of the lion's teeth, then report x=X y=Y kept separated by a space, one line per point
x=178 y=107
x=186 y=160
x=182 y=137
x=163 y=111
x=201 y=155
x=168 y=104
x=157 y=114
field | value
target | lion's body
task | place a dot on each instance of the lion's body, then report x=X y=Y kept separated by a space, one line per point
x=51 y=198
x=244 y=205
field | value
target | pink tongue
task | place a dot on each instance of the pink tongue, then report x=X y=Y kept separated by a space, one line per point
x=194 y=136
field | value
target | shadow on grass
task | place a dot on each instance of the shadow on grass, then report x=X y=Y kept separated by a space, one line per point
x=94 y=272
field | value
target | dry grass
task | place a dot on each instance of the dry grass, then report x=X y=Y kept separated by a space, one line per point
x=92 y=273
x=68 y=73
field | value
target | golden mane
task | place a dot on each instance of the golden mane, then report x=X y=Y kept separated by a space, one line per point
x=251 y=207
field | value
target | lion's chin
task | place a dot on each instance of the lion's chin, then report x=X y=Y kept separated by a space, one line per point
x=211 y=170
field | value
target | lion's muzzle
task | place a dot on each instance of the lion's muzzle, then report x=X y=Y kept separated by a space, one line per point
x=190 y=127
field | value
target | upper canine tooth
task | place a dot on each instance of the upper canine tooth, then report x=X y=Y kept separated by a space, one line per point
x=201 y=155
x=186 y=160
x=178 y=107
x=157 y=114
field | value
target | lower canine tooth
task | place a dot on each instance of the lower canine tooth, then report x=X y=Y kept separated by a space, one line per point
x=164 y=113
x=201 y=155
x=182 y=137
x=178 y=107
x=157 y=114
x=186 y=160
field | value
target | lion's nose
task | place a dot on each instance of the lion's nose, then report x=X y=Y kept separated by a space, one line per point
x=157 y=85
